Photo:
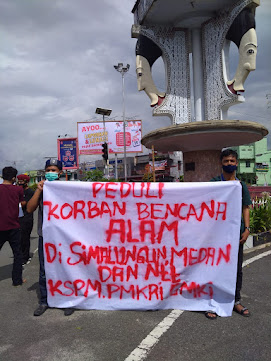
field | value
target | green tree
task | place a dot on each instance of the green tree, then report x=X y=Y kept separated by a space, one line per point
x=97 y=175
x=94 y=175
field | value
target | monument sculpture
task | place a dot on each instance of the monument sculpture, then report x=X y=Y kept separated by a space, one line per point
x=242 y=32
x=147 y=52
x=193 y=38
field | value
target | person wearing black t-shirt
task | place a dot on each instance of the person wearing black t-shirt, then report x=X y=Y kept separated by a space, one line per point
x=26 y=222
x=229 y=162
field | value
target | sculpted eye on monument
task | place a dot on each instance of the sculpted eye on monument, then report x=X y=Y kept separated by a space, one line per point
x=242 y=33
x=147 y=52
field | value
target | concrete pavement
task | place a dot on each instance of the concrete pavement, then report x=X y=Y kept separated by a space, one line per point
x=113 y=335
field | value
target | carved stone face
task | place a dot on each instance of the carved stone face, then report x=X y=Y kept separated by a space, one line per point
x=145 y=81
x=247 y=60
x=140 y=73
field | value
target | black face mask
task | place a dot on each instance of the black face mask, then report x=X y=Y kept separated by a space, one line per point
x=229 y=168
x=22 y=185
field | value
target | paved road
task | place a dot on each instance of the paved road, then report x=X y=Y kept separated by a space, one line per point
x=112 y=336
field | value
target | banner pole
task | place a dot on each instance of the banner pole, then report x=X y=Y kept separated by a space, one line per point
x=153 y=169
x=106 y=162
x=116 y=166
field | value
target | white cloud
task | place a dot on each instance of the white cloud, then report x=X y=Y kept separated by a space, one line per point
x=56 y=64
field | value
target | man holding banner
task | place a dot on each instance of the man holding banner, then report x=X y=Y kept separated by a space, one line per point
x=142 y=246
x=53 y=170
x=229 y=162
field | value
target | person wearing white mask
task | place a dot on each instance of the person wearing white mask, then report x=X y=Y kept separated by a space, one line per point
x=53 y=171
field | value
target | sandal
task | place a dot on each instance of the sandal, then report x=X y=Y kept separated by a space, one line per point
x=242 y=311
x=211 y=315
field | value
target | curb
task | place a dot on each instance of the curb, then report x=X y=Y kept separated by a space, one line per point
x=253 y=249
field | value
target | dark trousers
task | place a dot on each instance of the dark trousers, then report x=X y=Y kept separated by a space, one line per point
x=42 y=277
x=14 y=239
x=26 y=229
x=239 y=274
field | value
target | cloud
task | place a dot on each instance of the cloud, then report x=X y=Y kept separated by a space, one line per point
x=56 y=65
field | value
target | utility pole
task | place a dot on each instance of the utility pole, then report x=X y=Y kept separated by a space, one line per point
x=123 y=70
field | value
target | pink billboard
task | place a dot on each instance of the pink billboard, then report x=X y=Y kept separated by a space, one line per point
x=91 y=136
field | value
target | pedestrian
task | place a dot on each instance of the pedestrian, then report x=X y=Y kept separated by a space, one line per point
x=10 y=197
x=229 y=163
x=53 y=170
x=26 y=222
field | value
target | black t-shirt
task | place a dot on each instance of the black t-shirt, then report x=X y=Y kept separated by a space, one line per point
x=28 y=217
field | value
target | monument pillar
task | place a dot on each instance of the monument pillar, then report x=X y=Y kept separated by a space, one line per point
x=201 y=166
x=198 y=84
x=200 y=30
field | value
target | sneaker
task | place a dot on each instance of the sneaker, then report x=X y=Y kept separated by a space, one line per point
x=68 y=311
x=29 y=260
x=40 y=310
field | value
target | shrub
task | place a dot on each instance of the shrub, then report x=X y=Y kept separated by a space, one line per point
x=260 y=215
x=147 y=177
x=34 y=186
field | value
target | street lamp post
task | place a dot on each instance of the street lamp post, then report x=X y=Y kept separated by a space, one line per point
x=104 y=112
x=123 y=70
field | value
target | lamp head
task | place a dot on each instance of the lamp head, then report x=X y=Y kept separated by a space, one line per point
x=103 y=111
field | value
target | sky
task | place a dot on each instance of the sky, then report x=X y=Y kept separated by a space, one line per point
x=56 y=68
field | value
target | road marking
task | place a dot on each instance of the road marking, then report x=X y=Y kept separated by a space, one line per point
x=259 y=256
x=143 y=349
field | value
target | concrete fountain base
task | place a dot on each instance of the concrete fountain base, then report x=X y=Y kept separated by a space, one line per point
x=201 y=143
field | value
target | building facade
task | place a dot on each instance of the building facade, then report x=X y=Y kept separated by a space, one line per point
x=254 y=163
x=168 y=168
